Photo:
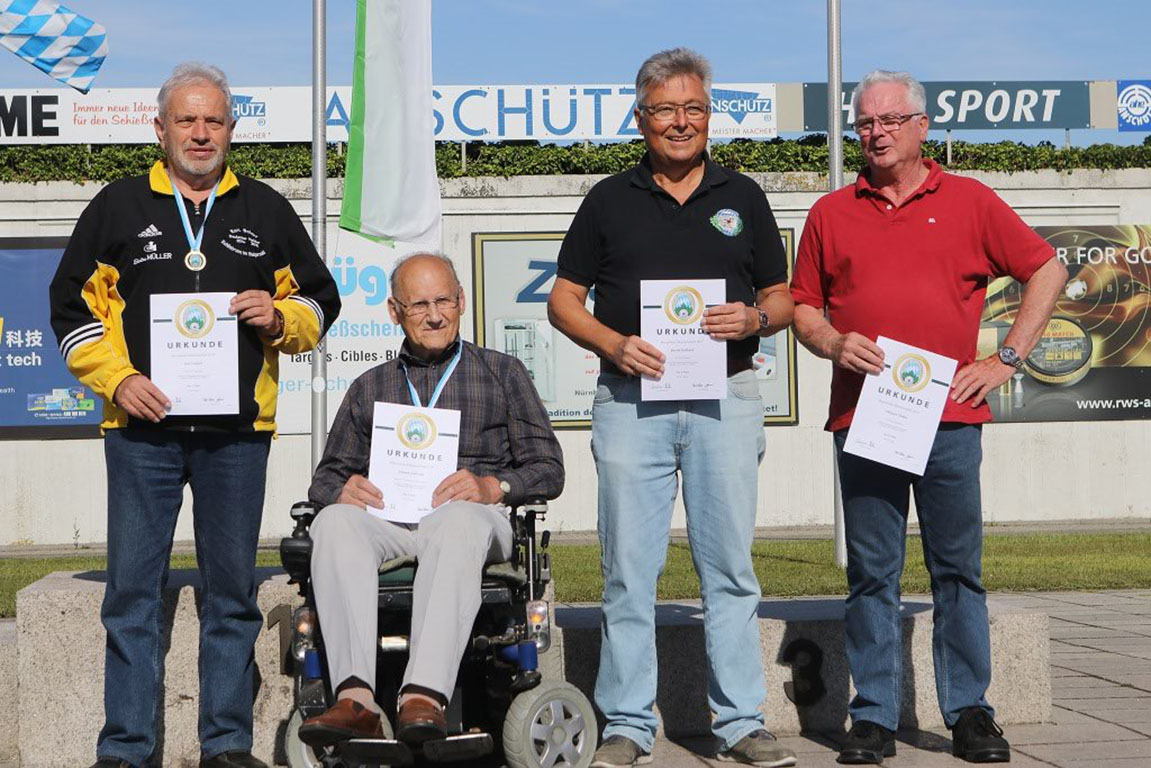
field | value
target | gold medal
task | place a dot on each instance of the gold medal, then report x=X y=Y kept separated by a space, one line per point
x=195 y=260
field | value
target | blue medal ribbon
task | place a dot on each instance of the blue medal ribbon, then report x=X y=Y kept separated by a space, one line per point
x=447 y=374
x=193 y=240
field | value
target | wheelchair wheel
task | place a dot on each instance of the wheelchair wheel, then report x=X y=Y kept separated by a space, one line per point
x=553 y=724
x=300 y=755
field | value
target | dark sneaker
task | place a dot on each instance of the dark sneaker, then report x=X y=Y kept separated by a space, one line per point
x=977 y=739
x=867 y=743
x=619 y=750
x=234 y=759
x=758 y=748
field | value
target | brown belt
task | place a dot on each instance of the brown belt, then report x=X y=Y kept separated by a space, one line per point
x=738 y=365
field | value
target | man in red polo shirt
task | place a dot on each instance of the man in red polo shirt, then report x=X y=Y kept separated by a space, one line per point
x=907 y=253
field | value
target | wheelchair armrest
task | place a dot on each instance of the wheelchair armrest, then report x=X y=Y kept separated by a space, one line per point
x=535 y=508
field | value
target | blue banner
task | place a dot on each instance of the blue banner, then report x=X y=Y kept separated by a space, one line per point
x=38 y=396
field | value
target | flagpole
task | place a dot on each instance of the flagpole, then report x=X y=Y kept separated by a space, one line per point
x=834 y=182
x=319 y=218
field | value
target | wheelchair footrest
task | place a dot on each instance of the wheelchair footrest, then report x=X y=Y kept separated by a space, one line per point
x=377 y=752
x=466 y=746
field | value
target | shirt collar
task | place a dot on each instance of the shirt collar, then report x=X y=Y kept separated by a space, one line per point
x=930 y=184
x=409 y=359
x=641 y=175
x=161 y=183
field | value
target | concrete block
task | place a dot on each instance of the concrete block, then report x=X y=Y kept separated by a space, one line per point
x=60 y=669
x=808 y=685
x=9 y=750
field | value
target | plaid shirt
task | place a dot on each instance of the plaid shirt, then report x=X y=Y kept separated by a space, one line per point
x=504 y=428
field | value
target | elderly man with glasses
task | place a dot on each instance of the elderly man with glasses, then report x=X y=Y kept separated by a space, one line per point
x=507 y=454
x=676 y=216
x=907 y=253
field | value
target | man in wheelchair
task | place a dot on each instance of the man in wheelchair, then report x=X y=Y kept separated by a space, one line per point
x=508 y=455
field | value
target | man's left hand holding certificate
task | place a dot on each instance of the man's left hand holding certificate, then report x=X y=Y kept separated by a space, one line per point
x=195 y=353
x=413 y=451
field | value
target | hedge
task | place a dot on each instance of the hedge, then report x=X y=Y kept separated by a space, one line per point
x=69 y=162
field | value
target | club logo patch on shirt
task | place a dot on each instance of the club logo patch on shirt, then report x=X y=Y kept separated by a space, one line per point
x=727 y=221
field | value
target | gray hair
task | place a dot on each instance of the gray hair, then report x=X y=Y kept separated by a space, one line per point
x=665 y=65
x=400 y=262
x=916 y=95
x=193 y=73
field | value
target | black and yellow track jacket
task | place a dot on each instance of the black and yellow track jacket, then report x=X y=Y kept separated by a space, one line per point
x=129 y=244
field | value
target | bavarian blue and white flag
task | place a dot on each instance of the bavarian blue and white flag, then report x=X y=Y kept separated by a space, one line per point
x=390 y=188
x=55 y=40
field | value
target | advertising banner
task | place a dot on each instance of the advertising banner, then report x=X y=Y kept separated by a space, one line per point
x=1133 y=101
x=362 y=337
x=459 y=113
x=1093 y=361
x=513 y=274
x=38 y=396
x=960 y=105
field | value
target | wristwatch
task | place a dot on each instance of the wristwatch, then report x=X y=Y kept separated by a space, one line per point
x=764 y=322
x=1008 y=356
x=506 y=488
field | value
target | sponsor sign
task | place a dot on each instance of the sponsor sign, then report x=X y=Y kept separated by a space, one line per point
x=460 y=113
x=38 y=396
x=1133 y=102
x=1093 y=361
x=959 y=105
x=513 y=273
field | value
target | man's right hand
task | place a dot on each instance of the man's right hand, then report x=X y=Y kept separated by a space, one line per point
x=636 y=357
x=142 y=399
x=359 y=492
x=857 y=353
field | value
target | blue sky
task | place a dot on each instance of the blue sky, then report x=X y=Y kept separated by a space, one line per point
x=269 y=42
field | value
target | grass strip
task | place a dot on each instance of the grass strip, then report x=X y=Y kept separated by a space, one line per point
x=1017 y=563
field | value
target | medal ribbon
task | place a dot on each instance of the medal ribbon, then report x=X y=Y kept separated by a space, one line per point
x=193 y=242
x=447 y=374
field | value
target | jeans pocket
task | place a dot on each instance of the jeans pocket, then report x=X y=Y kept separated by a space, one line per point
x=744 y=386
x=607 y=386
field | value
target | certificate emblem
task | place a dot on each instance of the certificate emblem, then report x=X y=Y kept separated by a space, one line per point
x=416 y=431
x=683 y=305
x=911 y=372
x=727 y=221
x=194 y=318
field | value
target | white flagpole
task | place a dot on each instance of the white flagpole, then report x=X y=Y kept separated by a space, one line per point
x=834 y=182
x=319 y=218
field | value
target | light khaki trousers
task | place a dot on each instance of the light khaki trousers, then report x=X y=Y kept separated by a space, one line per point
x=452 y=545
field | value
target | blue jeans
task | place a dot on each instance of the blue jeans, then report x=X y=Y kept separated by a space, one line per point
x=875 y=507
x=716 y=445
x=146 y=476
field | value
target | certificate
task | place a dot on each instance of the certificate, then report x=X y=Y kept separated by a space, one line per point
x=194 y=348
x=899 y=409
x=695 y=365
x=413 y=450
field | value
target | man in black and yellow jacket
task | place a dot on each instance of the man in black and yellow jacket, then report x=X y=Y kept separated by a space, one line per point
x=190 y=228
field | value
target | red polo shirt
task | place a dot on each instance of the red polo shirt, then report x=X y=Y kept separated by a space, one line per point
x=916 y=272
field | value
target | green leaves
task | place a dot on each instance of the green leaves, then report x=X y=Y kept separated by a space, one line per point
x=77 y=163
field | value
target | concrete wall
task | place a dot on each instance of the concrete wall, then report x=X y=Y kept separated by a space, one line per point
x=54 y=491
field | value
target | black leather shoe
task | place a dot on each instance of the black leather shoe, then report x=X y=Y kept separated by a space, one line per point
x=867 y=743
x=111 y=762
x=235 y=759
x=977 y=739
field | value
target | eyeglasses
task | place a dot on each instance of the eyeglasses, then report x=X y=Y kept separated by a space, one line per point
x=665 y=113
x=421 y=308
x=889 y=123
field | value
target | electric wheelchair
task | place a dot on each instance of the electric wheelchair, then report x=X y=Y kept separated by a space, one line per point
x=501 y=701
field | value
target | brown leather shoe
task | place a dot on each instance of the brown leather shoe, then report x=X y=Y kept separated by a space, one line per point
x=420 y=720
x=346 y=719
